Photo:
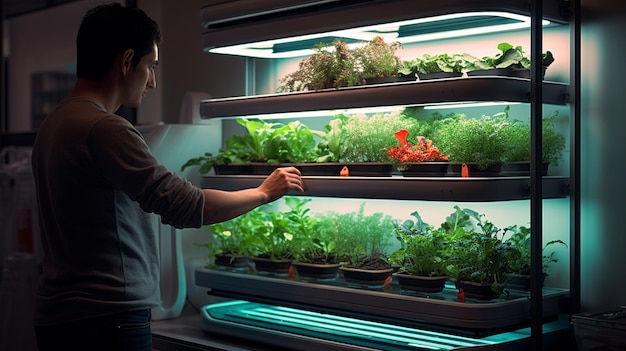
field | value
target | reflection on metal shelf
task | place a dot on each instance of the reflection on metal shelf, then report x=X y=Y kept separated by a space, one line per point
x=299 y=329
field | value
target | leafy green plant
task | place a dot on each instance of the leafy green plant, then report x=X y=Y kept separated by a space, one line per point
x=364 y=240
x=518 y=136
x=423 y=251
x=272 y=143
x=278 y=142
x=332 y=65
x=518 y=257
x=235 y=236
x=428 y=64
x=378 y=59
x=331 y=147
x=366 y=139
x=481 y=140
x=509 y=57
x=321 y=246
x=478 y=253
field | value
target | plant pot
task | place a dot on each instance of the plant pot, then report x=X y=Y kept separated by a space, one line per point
x=232 y=262
x=425 y=169
x=492 y=170
x=521 y=169
x=520 y=281
x=373 y=278
x=369 y=169
x=233 y=169
x=320 y=169
x=421 y=283
x=476 y=290
x=266 y=266
x=507 y=72
x=438 y=75
x=317 y=270
x=386 y=80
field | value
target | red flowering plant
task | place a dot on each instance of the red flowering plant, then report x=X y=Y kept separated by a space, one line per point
x=407 y=153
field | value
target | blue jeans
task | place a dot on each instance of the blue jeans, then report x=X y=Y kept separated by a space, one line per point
x=128 y=331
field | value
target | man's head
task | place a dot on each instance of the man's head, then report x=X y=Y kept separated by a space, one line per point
x=108 y=31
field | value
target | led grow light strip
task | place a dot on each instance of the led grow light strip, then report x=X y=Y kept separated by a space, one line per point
x=338 y=328
x=388 y=31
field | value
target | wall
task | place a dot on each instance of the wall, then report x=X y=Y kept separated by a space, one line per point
x=603 y=239
x=44 y=41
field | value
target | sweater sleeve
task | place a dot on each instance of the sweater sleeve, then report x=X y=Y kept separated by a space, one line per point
x=120 y=152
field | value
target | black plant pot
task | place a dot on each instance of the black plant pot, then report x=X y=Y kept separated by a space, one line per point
x=421 y=283
x=366 y=277
x=266 y=266
x=316 y=271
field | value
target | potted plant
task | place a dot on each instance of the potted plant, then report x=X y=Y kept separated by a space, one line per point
x=510 y=61
x=231 y=240
x=318 y=256
x=423 y=256
x=366 y=138
x=272 y=248
x=419 y=159
x=265 y=147
x=377 y=61
x=434 y=66
x=518 y=257
x=478 y=255
x=479 y=142
x=366 y=241
x=332 y=65
x=517 y=158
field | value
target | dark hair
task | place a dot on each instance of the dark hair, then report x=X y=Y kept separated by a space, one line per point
x=107 y=31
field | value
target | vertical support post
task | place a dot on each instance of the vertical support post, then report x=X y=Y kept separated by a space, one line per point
x=536 y=176
x=574 y=187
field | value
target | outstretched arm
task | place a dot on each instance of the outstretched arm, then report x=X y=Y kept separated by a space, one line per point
x=222 y=205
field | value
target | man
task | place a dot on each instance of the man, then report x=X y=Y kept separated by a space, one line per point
x=96 y=184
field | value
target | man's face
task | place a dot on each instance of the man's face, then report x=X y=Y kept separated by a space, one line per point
x=141 y=78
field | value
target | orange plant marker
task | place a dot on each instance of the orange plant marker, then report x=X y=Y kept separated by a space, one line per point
x=460 y=296
x=291 y=273
x=465 y=173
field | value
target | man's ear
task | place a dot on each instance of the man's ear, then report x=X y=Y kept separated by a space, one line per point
x=127 y=60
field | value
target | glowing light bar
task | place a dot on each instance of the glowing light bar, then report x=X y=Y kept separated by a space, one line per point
x=410 y=31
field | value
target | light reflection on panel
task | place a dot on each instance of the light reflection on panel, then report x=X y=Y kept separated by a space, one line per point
x=243 y=315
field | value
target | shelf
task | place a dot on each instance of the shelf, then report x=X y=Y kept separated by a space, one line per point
x=401 y=188
x=249 y=21
x=439 y=309
x=487 y=88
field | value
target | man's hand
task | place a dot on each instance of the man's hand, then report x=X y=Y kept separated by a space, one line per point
x=280 y=182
